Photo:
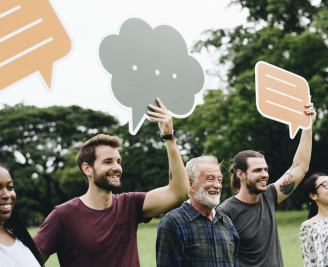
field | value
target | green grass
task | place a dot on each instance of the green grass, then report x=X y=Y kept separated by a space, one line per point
x=289 y=223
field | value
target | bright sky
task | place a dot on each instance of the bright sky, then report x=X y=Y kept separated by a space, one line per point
x=79 y=78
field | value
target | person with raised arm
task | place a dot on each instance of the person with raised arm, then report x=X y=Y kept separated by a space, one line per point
x=99 y=228
x=252 y=209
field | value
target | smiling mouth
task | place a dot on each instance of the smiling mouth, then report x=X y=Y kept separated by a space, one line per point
x=6 y=207
x=262 y=182
x=114 y=177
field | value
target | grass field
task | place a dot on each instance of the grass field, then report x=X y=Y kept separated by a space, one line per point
x=288 y=227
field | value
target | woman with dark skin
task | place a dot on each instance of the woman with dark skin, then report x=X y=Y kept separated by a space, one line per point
x=314 y=231
x=16 y=245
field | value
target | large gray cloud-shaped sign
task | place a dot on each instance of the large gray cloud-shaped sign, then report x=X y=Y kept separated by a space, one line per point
x=147 y=63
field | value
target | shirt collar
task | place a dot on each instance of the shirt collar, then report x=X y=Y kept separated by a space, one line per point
x=192 y=213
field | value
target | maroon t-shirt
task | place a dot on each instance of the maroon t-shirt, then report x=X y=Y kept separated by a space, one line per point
x=82 y=236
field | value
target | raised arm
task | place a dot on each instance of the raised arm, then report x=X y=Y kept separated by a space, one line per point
x=164 y=198
x=294 y=175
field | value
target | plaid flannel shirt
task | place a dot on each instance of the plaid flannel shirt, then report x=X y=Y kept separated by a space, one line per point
x=185 y=237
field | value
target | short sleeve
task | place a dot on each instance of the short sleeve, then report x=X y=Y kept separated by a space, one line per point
x=271 y=193
x=138 y=200
x=48 y=237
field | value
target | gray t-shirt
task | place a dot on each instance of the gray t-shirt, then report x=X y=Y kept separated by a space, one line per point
x=257 y=228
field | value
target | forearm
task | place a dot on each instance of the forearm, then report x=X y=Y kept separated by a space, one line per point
x=303 y=153
x=178 y=179
x=294 y=175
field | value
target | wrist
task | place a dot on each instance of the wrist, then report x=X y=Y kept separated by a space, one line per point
x=169 y=136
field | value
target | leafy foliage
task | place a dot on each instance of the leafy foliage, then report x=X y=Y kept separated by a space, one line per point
x=294 y=37
x=36 y=145
x=39 y=146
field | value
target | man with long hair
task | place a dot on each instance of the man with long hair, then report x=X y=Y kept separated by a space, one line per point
x=252 y=209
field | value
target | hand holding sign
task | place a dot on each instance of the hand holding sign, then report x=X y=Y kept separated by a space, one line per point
x=148 y=63
x=282 y=96
x=31 y=39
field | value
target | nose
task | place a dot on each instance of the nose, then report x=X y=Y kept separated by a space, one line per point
x=217 y=183
x=116 y=166
x=264 y=173
x=4 y=193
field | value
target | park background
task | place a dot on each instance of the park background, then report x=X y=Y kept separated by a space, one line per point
x=39 y=144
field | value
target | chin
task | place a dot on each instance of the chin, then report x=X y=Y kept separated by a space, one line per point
x=262 y=189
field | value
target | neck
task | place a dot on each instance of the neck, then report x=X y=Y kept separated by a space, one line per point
x=201 y=209
x=322 y=212
x=2 y=228
x=247 y=197
x=97 y=198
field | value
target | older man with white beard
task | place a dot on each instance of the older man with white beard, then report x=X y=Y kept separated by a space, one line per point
x=197 y=234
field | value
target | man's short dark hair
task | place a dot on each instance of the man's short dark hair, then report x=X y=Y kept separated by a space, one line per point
x=87 y=151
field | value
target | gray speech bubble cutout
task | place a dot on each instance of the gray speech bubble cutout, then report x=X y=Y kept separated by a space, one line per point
x=147 y=63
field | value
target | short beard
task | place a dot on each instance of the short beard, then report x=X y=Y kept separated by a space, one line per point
x=102 y=182
x=251 y=187
x=202 y=197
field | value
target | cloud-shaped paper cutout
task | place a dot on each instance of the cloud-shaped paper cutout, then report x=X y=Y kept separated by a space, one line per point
x=146 y=63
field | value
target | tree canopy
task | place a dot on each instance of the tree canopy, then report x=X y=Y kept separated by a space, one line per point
x=39 y=144
x=291 y=35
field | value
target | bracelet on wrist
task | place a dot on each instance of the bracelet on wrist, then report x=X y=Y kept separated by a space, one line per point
x=167 y=136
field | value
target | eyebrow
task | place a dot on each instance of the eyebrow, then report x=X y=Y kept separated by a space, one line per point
x=106 y=159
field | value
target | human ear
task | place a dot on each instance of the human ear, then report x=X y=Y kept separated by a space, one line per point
x=240 y=174
x=313 y=196
x=191 y=181
x=87 y=169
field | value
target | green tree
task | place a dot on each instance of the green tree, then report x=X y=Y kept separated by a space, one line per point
x=294 y=37
x=39 y=146
x=36 y=145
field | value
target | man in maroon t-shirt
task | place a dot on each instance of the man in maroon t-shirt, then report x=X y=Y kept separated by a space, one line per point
x=100 y=228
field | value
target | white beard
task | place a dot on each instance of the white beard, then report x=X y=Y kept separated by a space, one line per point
x=209 y=201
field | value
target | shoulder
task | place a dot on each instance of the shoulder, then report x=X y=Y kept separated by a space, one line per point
x=174 y=214
x=225 y=217
x=67 y=206
x=311 y=221
x=130 y=204
x=306 y=223
x=130 y=196
x=270 y=193
x=226 y=205
x=173 y=217
x=271 y=189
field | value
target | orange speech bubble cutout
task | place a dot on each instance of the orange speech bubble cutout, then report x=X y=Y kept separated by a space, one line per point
x=281 y=96
x=31 y=39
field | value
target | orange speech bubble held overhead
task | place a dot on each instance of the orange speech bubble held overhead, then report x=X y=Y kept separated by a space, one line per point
x=31 y=39
x=282 y=96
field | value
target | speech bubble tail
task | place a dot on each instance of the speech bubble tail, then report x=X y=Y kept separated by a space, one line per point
x=46 y=73
x=136 y=121
x=293 y=129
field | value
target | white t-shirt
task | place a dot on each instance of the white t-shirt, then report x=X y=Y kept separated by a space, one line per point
x=17 y=255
